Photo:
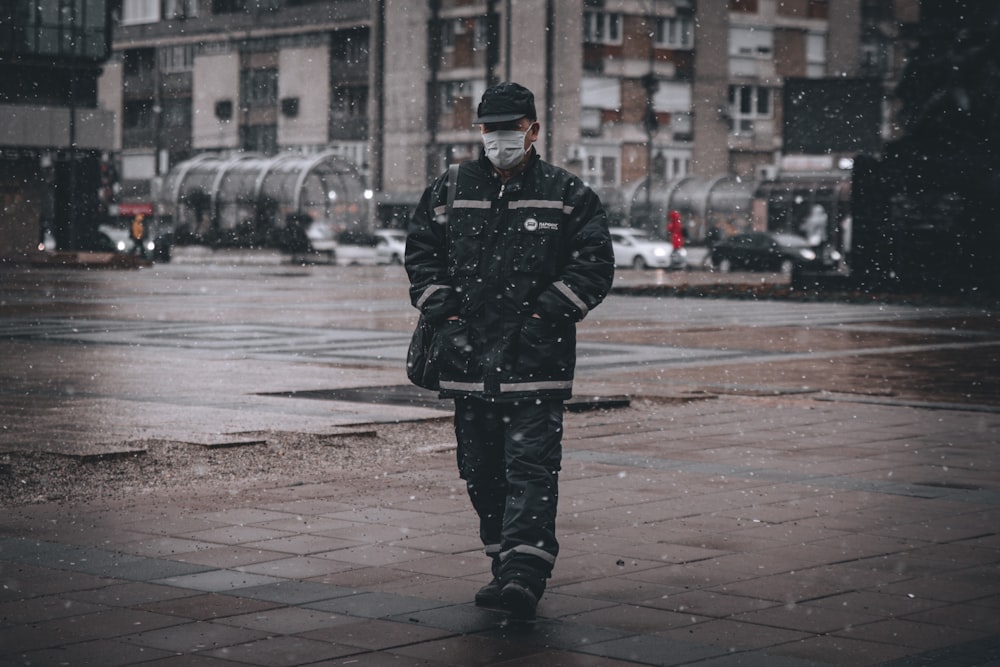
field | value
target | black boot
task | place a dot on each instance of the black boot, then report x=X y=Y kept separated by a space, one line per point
x=489 y=595
x=519 y=600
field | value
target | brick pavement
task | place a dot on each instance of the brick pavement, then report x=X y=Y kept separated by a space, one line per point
x=728 y=531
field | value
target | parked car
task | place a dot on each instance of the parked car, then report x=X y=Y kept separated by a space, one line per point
x=637 y=249
x=111 y=238
x=390 y=246
x=114 y=239
x=355 y=246
x=322 y=236
x=768 y=251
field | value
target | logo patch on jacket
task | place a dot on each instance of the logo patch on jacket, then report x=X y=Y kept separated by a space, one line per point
x=532 y=225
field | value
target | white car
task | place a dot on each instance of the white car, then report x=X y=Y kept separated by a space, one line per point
x=114 y=239
x=390 y=246
x=322 y=236
x=637 y=249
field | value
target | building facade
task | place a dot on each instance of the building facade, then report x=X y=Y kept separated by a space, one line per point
x=630 y=92
x=230 y=76
x=53 y=133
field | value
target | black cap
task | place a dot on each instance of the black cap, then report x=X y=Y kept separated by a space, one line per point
x=506 y=102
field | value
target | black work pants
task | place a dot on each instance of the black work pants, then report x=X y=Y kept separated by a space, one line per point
x=509 y=455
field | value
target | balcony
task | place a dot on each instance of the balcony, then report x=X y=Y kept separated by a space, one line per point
x=139 y=86
x=752 y=134
x=349 y=71
x=754 y=68
x=590 y=122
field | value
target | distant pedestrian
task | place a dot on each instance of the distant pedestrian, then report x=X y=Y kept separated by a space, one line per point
x=675 y=229
x=814 y=226
x=138 y=233
x=504 y=272
x=713 y=235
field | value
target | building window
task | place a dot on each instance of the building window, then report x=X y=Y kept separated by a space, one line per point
x=757 y=42
x=140 y=11
x=259 y=138
x=137 y=114
x=259 y=87
x=747 y=104
x=602 y=27
x=818 y=9
x=675 y=33
x=600 y=166
x=229 y=6
x=180 y=9
x=176 y=112
x=175 y=59
x=815 y=55
x=682 y=126
x=449 y=92
x=139 y=62
x=68 y=28
x=350 y=48
x=349 y=102
x=449 y=28
x=481 y=33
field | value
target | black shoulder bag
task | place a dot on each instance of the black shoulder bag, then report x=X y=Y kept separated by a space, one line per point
x=421 y=357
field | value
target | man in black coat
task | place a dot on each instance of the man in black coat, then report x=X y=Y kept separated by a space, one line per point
x=504 y=272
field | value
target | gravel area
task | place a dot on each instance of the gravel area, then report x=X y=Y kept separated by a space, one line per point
x=282 y=459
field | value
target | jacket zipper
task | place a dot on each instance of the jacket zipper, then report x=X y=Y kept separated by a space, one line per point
x=492 y=372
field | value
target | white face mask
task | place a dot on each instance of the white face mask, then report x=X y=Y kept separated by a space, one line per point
x=505 y=148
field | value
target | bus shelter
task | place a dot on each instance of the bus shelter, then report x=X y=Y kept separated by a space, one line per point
x=724 y=203
x=252 y=199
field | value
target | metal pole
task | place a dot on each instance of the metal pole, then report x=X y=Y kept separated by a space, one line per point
x=651 y=85
x=432 y=166
x=492 y=42
x=157 y=114
x=550 y=50
x=74 y=237
x=507 y=38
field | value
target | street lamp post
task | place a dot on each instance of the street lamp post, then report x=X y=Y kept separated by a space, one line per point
x=651 y=85
x=72 y=232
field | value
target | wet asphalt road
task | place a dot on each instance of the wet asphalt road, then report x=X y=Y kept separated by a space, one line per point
x=98 y=356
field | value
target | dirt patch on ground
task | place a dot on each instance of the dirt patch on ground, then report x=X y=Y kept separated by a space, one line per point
x=281 y=458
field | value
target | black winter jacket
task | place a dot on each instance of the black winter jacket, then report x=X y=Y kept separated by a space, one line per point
x=537 y=245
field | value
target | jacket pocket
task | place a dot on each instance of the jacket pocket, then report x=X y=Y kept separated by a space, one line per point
x=545 y=350
x=454 y=348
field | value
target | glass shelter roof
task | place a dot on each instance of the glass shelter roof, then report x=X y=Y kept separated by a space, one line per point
x=224 y=192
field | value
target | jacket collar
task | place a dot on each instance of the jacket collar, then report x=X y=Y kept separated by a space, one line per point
x=529 y=165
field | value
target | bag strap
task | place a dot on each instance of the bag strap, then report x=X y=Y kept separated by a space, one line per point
x=452 y=185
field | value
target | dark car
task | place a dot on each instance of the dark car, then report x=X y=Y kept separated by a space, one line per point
x=768 y=251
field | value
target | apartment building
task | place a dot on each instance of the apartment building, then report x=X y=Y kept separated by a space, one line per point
x=630 y=91
x=231 y=76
